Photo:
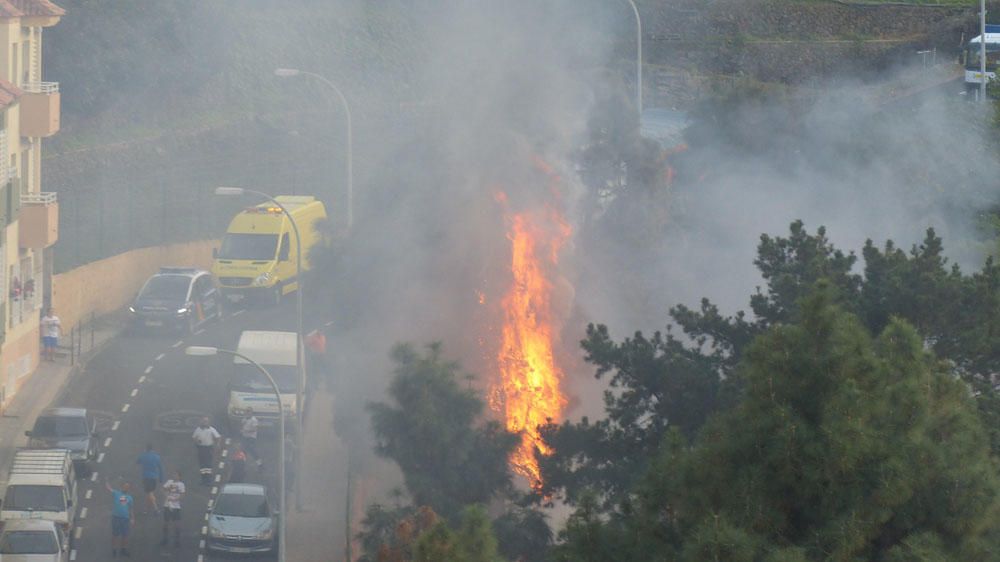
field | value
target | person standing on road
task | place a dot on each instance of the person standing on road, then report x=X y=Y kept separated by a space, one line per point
x=122 y=518
x=237 y=465
x=173 y=491
x=152 y=475
x=248 y=434
x=51 y=326
x=206 y=440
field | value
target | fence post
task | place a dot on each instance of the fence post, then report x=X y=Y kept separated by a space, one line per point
x=92 y=330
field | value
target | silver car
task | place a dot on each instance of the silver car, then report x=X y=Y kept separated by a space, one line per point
x=33 y=540
x=242 y=521
x=66 y=428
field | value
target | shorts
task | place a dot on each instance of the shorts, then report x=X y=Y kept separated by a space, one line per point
x=119 y=526
x=171 y=514
x=50 y=342
x=149 y=485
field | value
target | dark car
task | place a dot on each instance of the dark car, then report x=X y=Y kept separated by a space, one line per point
x=176 y=298
x=66 y=428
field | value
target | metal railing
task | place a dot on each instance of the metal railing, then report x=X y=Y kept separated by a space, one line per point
x=41 y=87
x=39 y=198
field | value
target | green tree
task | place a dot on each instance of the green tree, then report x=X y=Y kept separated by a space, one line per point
x=472 y=541
x=434 y=430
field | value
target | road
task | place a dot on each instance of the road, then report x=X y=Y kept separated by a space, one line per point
x=144 y=389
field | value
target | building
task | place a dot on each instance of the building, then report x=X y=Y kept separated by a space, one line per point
x=29 y=216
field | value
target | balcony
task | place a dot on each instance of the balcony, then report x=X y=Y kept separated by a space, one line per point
x=40 y=109
x=38 y=222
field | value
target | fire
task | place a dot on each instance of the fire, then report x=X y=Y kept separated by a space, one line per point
x=528 y=391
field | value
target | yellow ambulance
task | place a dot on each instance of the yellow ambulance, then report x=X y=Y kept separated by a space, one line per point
x=257 y=257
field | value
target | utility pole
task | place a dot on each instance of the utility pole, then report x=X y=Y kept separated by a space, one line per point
x=982 y=50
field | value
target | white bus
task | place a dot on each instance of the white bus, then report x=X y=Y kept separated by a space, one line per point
x=973 y=72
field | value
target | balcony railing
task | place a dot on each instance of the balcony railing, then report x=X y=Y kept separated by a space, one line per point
x=39 y=198
x=38 y=220
x=41 y=87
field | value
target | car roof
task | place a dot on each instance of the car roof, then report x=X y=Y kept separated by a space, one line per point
x=65 y=412
x=29 y=525
x=244 y=489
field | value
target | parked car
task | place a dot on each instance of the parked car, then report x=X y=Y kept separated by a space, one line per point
x=66 y=428
x=176 y=298
x=33 y=540
x=242 y=521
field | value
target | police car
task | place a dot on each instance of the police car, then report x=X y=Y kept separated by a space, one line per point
x=176 y=298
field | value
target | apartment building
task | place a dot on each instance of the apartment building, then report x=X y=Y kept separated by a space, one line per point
x=29 y=215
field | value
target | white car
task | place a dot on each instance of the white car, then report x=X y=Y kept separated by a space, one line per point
x=33 y=540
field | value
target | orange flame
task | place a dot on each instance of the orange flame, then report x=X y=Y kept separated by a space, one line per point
x=528 y=393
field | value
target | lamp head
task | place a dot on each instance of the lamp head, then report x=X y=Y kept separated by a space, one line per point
x=286 y=72
x=201 y=351
x=229 y=191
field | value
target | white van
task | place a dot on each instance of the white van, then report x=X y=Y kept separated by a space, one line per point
x=248 y=389
x=41 y=485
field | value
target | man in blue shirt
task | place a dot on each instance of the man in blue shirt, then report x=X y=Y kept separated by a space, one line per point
x=122 y=518
x=152 y=475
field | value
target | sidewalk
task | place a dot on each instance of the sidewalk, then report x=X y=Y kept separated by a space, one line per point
x=43 y=388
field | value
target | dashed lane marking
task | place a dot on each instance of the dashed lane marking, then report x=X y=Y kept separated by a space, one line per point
x=204 y=530
x=160 y=356
x=149 y=369
x=177 y=344
x=134 y=392
x=83 y=513
x=240 y=311
x=222 y=465
x=199 y=332
x=89 y=494
x=114 y=426
x=330 y=323
x=206 y=517
x=228 y=440
x=100 y=458
x=201 y=558
x=72 y=554
x=215 y=490
x=77 y=533
x=93 y=476
x=107 y=442
x=142 y=379
x=218 y=477
x=225 y=452
x=125 y=408
x=201 y=543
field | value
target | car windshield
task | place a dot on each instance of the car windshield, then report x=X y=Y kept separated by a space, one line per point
x=166 y=287
x=59 y=427
x=247 y=378
x=34 y=498
x=29 y=542
x=241 y=505
x=972 y=56
x=259 y=247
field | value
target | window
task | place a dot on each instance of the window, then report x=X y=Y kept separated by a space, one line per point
x=166 y=287
x=283 y=252
x=60 y=427
x=241 y=505
x=29 y=542
x=258 y=247
x=37 y=498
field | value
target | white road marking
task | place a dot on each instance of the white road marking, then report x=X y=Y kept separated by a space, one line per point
x=162 y=355
x=211 y=503
x=240 y=311
x=114 y=426
x=177 y=344
x=72 y=554
x=100 y=458
x=148 y=370
x=215 y=490
x=227 y=440
x=206 y=517
x=222 y=465
x=83 y=513
x=142 y=379
x=330 y=323
x=204 y=530
x=225 y=452
x=199 y=332
x=201 y=558
x=201 y=544
x=218 y=477
x=134 y=392
x=124 y=408
x=89 y=494
x=77 y=533
x=107 y=442
x=93 y=476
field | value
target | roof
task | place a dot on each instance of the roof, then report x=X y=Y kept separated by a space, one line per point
x=65 y=412
x=29 y=8
x=29 y=525
x=268 y=348
x=244 y=489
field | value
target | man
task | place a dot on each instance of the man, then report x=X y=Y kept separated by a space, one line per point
x=50 y=326
x=122 y=518
x=206 y=440
x=237 y=465
x=315 y=342
x=173 y=491
x=152 y=475
x=248 y=434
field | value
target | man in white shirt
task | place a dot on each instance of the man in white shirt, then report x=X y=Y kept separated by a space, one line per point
x=206 y=441
x=248 y=433
x=50 y=326
x=173 y=491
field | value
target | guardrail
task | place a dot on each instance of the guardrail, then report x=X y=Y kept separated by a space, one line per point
x=41 y=87
x=40 y=198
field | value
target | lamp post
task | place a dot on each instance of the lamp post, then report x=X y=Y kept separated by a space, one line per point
x=201 y=351
x=638 y=58
x=289 y=72
x=300 y=384
x=982 y=50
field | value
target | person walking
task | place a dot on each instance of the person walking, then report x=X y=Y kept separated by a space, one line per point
x=51 y=326
x=206 y=440
x=173 y=491
x=122 y=518
x=248 y=434
x=315 y=342
x=237 y=465
x=152 y=475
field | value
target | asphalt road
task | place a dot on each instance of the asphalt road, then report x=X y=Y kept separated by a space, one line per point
x=143 y=389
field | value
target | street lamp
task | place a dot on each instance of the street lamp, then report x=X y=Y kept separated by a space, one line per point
x=201 y=351
x=638 y=58
x=290 y=72
x=299 y=387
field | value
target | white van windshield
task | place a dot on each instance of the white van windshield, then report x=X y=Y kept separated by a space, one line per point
x=34 y=498
x=246 y=378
